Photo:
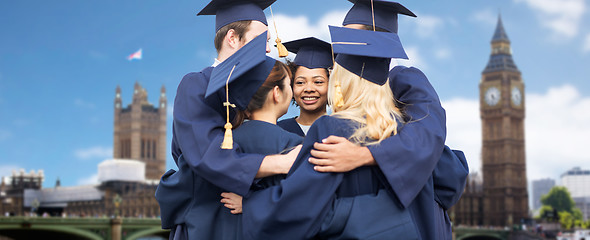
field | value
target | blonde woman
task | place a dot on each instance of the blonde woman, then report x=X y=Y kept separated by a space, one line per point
x=358 y=204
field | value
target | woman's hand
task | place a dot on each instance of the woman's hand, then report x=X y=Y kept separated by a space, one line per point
x=278 y=163
x=337 y=154
x=232 y=201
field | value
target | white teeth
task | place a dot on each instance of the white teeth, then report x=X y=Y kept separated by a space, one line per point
x=310 y=98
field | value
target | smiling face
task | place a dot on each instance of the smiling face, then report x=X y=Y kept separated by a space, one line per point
x=310 y=89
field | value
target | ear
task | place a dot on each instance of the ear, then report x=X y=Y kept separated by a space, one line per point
x=232 y=39
x=277 y=94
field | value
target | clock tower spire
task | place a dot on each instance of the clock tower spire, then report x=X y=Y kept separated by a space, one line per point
x=502 y=112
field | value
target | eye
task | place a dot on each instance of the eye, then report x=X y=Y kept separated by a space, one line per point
x=319 y=82
x=299 y=82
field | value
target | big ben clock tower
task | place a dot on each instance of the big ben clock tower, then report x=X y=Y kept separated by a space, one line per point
x=502 y=110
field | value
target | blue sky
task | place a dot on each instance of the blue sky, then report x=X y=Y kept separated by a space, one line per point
x=60 y=62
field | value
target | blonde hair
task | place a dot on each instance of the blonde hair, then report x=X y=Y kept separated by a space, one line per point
x=369 y=104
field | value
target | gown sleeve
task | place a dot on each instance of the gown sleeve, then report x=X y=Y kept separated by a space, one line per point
x=449 y=177
x=198 y=134
x=408 y=159
x=297 y=206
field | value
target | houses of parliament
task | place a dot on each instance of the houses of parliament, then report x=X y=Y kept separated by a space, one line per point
x=128 y=182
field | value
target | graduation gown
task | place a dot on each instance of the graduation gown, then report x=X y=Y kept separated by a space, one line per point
x=190 y=197
x=310 y=204
x=291 y=125
x=255 y=136
x=427 y=120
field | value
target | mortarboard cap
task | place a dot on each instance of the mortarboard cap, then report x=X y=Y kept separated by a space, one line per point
x=244 y=71
x=311 y=53
x=229 y=11
x=366 y=53
x=385 y=13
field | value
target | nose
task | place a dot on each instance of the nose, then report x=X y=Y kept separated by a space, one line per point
x=267 y=48
x=308 y=88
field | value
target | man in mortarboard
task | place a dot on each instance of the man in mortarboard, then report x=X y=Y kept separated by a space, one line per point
x=408 y=168
x=189 y=199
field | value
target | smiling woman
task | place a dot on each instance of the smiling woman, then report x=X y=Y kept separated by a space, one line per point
x=310 y=82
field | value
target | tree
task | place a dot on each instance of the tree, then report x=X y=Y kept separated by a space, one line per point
x=559 y=199
x=546 y=212
x=566 y=219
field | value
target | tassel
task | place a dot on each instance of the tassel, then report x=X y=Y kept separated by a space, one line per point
x=282 y=49
x=228 y=140
x=338 y=99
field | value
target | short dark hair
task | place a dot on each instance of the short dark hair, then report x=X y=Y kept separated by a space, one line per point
x=239 y=27
x=276 y=78
x=370 y=28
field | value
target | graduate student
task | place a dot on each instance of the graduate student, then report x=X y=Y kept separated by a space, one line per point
x=189 y=199
x=359 y=204
x=420 y=102
x=310 y=68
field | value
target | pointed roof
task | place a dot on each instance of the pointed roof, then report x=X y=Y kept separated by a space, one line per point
x=501 y=60
x=500 y=34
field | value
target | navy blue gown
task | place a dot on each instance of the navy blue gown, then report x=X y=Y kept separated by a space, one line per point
x=189 y=198
x=427 y=120
x=291 y=125
x=265 y=138
x=309 y=204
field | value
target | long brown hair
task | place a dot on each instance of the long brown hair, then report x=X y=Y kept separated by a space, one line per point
x=276 y=78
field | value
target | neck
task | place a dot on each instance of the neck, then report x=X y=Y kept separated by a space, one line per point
x=224 y=54
x=264 y=115
x=307 y=118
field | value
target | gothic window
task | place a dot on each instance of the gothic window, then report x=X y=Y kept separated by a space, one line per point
x=142 y=148
x=154 y=149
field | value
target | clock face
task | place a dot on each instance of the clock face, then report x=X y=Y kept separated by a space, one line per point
x=516 y=96
x=492 y=96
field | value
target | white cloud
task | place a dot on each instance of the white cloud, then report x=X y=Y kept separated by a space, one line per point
x=587 y=43
x=443 y=53
x=94 y=152
x=296 y=27
x=6 y=170
x=83 y=104
x=486 y=16
x=170 y=111
x=415 y=59
x=563 y=17
x=428 y=26
x=464 y=129
x=556 y=128
x=557 y=132
x=90 y=180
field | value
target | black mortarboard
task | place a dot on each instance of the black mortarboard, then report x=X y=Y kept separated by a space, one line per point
x=366 y=53
x=385 y=13
x=311 y=53
x=244 y=71
x=229 y=11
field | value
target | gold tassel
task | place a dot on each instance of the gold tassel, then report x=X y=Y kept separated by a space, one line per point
x=228 y=140
x=282 y=49
x=338 y=99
